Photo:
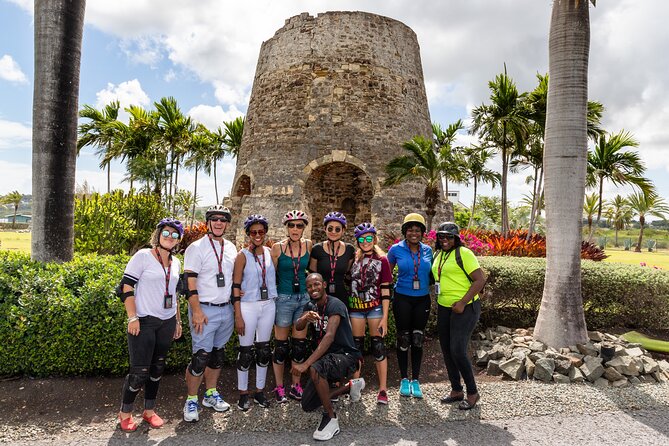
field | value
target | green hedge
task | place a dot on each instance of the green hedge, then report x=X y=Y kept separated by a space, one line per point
x=614 y=295
x=64 y=319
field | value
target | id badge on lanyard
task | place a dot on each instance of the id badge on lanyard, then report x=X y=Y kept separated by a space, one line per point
x=331 y=288
x=168 y=302
x=416 y=284
x=220 y=280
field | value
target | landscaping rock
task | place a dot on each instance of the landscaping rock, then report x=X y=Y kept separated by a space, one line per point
x=482 y=358
x=601 y=382
x=493 y=368
x=562 y=366
x=521 y=352
x=634 y=380
x=529 y=368
x=592 y=369
x=575 y=375
x=503 y=329
x=659 y=377
x=625 y=365
x=513 y=368
x=576 y=359
x=649 y=365
x=612 y=374
x=634 y=352
x=587 y=349
x=560 y=378
x=620 y=383
x=535 y=356
x=595 y=336
x=543 y=370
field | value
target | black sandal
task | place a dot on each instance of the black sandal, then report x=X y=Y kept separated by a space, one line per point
x=452 y=399
x=466 y=405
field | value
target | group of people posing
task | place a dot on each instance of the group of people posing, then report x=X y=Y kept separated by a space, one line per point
x=318 y=299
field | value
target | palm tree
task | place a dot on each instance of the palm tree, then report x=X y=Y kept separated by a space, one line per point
x=475 y=168
x=217 y=152
x=234 y=131
x=609 y=161
x=200 y=148
x=647 y=204
x=174 y=134
x=58 y=26
x=452 y=159
x=145 y=159
x=423 y=163
x=590 y=209
x=619 y=214
x=561 y=320
x=100 y=132
x=13 y=198
x=502 y=123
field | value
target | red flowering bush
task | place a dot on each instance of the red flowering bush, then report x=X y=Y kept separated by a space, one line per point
x=192 y=233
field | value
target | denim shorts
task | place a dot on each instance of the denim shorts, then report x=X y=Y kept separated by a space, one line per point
x=374 y=313
x=289 y=308
x=217 y=331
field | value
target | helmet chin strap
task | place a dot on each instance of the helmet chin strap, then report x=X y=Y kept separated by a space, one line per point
x=160 y=245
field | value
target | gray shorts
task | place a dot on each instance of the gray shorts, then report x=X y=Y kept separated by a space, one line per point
x=217 y=330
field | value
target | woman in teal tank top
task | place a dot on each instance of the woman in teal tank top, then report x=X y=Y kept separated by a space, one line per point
x=291 y=258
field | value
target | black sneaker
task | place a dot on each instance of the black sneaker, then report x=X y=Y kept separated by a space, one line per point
x=244 y=404
x=260 y=399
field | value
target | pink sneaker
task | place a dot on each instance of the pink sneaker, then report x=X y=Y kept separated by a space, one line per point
x=295 y=392
x=382 y=397
x=280 y=394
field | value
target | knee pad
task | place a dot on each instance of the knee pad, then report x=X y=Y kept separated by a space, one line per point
x=359 y=343
x=137 y=377
x=198 y=362
x=378 y=348
x=298 y=352
x=281 y=351
x=217 y=358
x=263 y=354
x=417 y=338
x=156 y=370
x=403 y=340
x=245 y=358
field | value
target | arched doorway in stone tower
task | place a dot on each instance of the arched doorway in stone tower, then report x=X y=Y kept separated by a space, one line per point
x=338 y=186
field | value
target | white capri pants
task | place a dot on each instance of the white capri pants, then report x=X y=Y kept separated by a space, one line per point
x=258 y=323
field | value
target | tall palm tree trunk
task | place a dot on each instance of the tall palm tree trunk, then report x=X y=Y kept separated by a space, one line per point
x=599 y=210
x=215 y=183
x=561 y=321
x=108 y=177
x=58 y=34
x=505 y=171
x=194 y=194
x=535 y=198
x=16 y=211
x=642 y=223
x=176 y=182
x=471 y=217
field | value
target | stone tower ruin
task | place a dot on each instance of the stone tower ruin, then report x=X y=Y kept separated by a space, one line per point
x=333 y=99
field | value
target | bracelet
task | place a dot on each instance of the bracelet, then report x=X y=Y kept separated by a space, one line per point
x=133 y=319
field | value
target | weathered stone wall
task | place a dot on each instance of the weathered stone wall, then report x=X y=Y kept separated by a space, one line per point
x=344 y=88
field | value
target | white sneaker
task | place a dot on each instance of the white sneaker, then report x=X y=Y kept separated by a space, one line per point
x=191 y=411
x=215 y=402
x=328 y=428
x=357 y=385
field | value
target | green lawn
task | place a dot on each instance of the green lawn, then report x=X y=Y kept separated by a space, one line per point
x=15 y=241
x=659 y=259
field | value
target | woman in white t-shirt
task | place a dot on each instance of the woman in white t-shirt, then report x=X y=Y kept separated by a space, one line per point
x=149 y=295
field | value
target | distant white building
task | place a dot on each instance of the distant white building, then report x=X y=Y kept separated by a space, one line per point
x=453 y=196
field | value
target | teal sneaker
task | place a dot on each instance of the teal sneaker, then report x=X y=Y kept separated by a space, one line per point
x=415 y=389
x=405 y=389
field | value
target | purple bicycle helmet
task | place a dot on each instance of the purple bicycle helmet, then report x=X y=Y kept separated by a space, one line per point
x=253 y=219
x=364 y=228
x=335 y=216
x=173 y=223
x=295 y=215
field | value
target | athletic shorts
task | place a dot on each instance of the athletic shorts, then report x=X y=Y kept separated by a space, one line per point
x=334 y=367
x=289 y=308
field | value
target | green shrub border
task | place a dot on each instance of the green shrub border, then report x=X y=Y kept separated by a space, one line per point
x=64 y=319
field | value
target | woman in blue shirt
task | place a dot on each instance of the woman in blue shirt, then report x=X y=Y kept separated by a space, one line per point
x=411 y=305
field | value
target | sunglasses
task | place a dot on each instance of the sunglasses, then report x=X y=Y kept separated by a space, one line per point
x=368 y=239
x=336 y=229
x=254 y=232
x=167 y=234
x=296 y=225
x=448 y=236
x=223 y=219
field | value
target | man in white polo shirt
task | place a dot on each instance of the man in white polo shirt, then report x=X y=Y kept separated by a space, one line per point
x=208 y=265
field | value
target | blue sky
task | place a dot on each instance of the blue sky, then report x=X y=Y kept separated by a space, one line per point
x=204 y=53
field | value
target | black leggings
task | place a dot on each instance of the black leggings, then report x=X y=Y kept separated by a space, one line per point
x=455 y=330
x=411 y=313
x=148 y=351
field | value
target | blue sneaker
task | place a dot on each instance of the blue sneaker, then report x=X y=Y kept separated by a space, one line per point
x=191 y=411
x=405 y=389
x=415 y=389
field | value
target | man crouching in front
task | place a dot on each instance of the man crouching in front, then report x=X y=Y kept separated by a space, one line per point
x=335 y=358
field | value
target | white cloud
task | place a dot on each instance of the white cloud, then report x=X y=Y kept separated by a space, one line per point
x=11 y=71
x=127 y=93
x=15 y=176
x=14 y=135
x=213 y=117
x=146 y=50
